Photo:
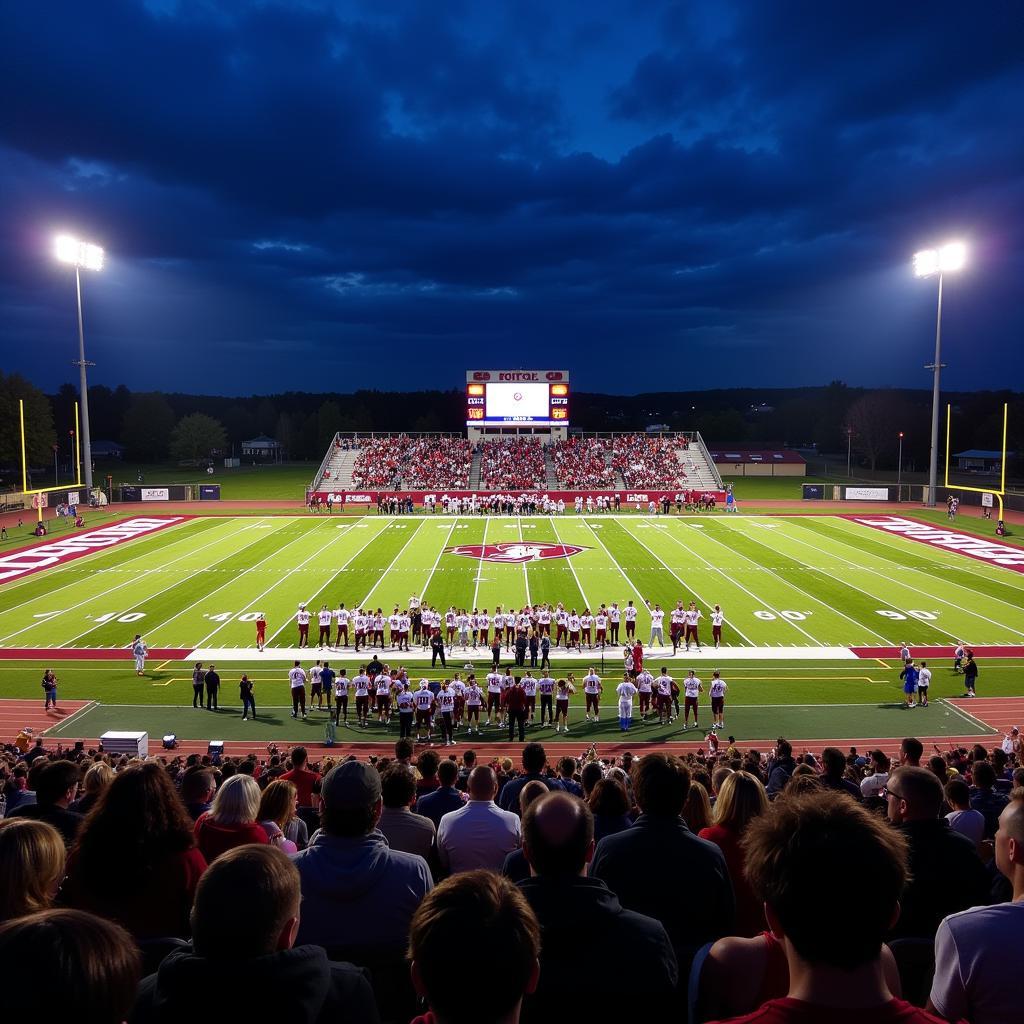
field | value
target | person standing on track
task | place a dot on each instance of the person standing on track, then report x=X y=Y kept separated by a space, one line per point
x=50 y=689
x=302 y=617
x=297 y=685
x=212 y=681
x=692 y=689
x=261 y=631
x=970 y=675
x=718 y=688
x=139 y=651
x=592 y=693
x=198 y=683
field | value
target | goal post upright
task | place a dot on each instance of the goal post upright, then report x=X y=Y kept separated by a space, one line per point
x=77 y=482
x=1002 y=468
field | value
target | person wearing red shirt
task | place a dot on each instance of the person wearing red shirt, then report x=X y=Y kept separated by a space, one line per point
x=231 y=821
x=638 y=658
x=301 y=777
x=830 y=875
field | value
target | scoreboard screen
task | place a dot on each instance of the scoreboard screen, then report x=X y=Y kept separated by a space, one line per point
x=531 y=397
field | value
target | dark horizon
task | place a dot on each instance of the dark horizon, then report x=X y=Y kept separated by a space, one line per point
x=384 y=195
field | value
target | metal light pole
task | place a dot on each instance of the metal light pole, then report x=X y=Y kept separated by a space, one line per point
x=928 y=262
x=899 y=470
x=81 y=254
x=849 y=449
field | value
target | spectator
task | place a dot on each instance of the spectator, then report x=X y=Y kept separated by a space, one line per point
x=198 y=788
x=405 y=831
x=609 y=803
x=32 y=858
x=697 y=810
x=480 y=834
x=494 y=912
x=984 y=798
x=559 y=843
x=55 y=790
x=68 y=966
x=946 y=873
x=782 y=767
x=301 y=777
x=445 y=798
x=427 y=765
x=358 y=894
x=699 y=910
x=873 y=785
x=834 y=774
x=136 y=860
x=277 y=809
x=977 y=952
x=592 y=774
x=535 y=760
x=243 y=964
x=963 y=818
x=96 y=780
x=817 y=860
x=231 y=821
x=741 y=800
x=516 y=866
x=911 y=751
x=567 y=777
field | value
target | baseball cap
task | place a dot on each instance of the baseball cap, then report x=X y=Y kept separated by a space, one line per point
x=350 y=784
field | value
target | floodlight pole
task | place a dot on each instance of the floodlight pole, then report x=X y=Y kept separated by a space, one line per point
x=899 y=470
x=84 y=388
x=936 y=368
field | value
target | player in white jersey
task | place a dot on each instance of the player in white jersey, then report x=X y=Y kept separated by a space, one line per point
x=657 y=628
x=446 y=712
x=382 y=690
x=574 y=630
x=717 y=619
x=629 y=614
x=546 y=689
x=404 y=625
x=562 y=694
x=544 y=620
x=626 y=691
x=663 y=685
x=297 y=685
x=586 y=628
x=342 y=684
x=406 y=709
x=493 y=696
x=614 y=616
x=718 y=688
x=323 y=618
x=462 y=625
x=395 y=628
x=561 y=625
x=361 y=685
x=359 y=624
x=449 y=626
x=424 y=701
x=645 y=687
x=924 y=680
x=483 y=624
x=693 y=616
x=378 y=629
x=692 y=688
x=592 y=693
x=341 y=620
x=302 y=617
x=601 y=627
x=316 y=686
x=530 y=692
x=676 y=619
x=474 y=701
x=414 y=603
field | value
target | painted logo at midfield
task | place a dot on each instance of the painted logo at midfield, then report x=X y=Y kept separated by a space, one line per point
x=514 y=552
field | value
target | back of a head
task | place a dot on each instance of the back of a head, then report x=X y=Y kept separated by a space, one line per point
x=957 y=793
x=299 y=757
x=590 y=776
x=237 y=801
x=398 y=786
x=403 y=749
x=609 y=799
x=483 y=783
x=984 y=774
x=243 y=902
x=827 y=866
x=32 y=859
x=494 y=912
x=921 y=790
x=742 y=798
x=55 y=780
x=912 y=748
x=448 y=772
x=427 y=764
x=533 y=790
x=834 y=761
x=567 y=766
x=661 y=784
x=72 y=965
x=534 y=757
x=97 y=778
x=558 y=833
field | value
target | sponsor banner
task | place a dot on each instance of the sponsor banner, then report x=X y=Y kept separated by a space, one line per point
x=1006 y=555
x=74 y=498
x=209 y=492
x=627 y=498
x=866 y=493
x=987 y=499
x=45 y=556
x=154 y=494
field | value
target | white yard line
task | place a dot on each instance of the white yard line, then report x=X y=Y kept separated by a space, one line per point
x=636 y=589
x=437 y=562
x=526 y=577
x=690 y=586
x=76 y=714
x=572 y=568
x=966 y=716
x=479 y=565
x=384 y=574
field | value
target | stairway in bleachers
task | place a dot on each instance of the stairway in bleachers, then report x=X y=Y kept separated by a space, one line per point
x=474 y=471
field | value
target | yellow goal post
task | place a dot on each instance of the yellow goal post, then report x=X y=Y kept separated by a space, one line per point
x=1002 y=467
x=37 y=501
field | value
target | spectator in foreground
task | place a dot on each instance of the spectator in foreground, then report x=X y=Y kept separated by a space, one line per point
x=136 y=860
x=68 y=965
x=404 y=830
x=231 y=821
x=480 y=834
x=947 y=874
x=977 y=952
x=830 y=874
x=358 y=894
x=701 y=908
x=56 y=788
x=579 y=915
x=494 y=912
x=32 y=858
x=445 y=798
x=516 y=866
x=741 y=800
x=244 y=964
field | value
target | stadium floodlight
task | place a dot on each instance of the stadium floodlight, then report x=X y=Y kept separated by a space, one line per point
x=945 y=260
x=81 y=254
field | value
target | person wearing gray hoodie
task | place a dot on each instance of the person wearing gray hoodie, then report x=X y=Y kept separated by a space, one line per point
x=358 y=894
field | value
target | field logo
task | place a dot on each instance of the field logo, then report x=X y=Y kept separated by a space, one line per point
x=515 y=552
x=950 y=540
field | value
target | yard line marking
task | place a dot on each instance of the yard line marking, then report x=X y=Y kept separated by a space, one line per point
x=526 y=576
x=437 y=561
x=710 y=535
x=163 y=665
x=245 y=572
x=583 y=593
x=479 y=566
x=76 y=714
x=614 y=561
x=909 y=586
x=134 y=579
x=966 y=716
x=384 y=575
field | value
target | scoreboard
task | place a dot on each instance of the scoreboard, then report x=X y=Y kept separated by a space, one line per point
x=527 y=397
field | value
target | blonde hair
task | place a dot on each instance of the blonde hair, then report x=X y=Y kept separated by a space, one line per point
x=33 y=857
x=697 y=809
x=237 y=801
x=278 y=803
x=97 y=778
x=741 y=799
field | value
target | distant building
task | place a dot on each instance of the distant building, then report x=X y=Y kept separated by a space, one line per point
x=981 y=460
x=262 y=449
x=759 y=461
x=106 y=450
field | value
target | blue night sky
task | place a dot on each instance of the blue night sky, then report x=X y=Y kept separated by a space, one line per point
x=325 y=196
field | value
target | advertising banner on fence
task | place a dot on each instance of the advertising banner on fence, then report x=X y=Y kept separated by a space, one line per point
x=154 y=494
x=626 y=497
x=866 y=493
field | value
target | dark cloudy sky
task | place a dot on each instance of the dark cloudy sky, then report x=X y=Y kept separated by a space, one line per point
x=315 y=195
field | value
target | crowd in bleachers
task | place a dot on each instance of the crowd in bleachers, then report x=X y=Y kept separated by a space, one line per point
x=649 y=460
x=380 y=461
x=442 y=461
x=582 y=462
x=512 y=464
x=652 y=887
